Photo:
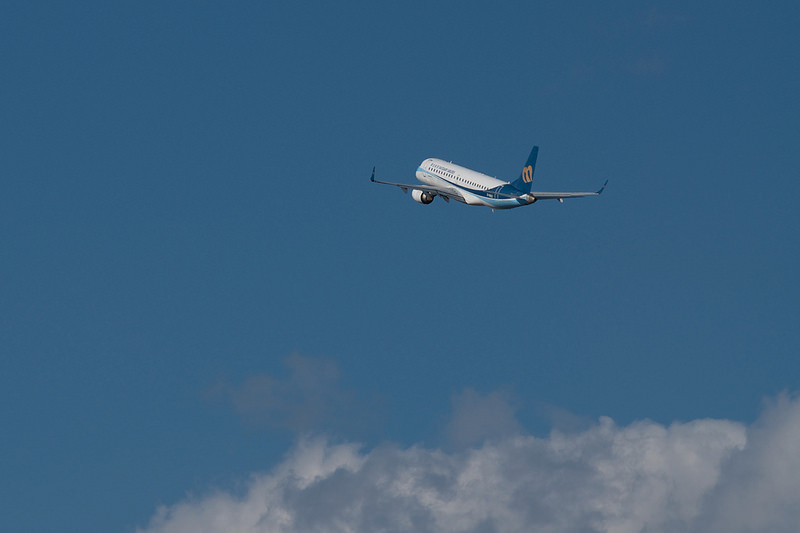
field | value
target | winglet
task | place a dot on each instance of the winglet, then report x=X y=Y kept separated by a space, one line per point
x=372 y=178
x=603 y=187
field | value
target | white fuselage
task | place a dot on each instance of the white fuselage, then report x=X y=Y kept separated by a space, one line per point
x=474 y=187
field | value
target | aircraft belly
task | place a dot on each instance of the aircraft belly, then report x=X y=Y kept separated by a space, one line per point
x=472 y=199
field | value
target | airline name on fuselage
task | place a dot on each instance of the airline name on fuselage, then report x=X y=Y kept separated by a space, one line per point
x=439 y=167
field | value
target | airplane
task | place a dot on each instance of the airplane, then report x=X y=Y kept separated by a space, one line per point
x=453 y=182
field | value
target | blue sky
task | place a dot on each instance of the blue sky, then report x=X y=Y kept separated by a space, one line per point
x=197 y=271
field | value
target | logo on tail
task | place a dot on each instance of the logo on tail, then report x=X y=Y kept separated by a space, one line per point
x=523 y=182
x=527 y=174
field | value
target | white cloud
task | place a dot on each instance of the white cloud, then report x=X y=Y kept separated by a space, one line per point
x=760 y=487
x=705 y=475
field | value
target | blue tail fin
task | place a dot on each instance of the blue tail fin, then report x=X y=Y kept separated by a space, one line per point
x=523 y=183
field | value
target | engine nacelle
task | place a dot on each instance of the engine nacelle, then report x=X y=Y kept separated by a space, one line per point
x=422 y=196
x=530 y=198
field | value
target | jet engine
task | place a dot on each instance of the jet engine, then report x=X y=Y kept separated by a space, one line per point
x=422 y=196
x=529 y=198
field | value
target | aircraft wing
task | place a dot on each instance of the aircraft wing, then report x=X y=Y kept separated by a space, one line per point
x=561 y=195
x=446 y=193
